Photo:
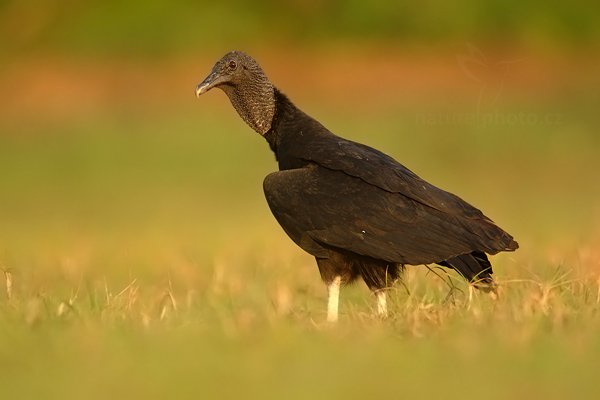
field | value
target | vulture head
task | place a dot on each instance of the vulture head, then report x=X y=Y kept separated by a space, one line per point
x=248 y=88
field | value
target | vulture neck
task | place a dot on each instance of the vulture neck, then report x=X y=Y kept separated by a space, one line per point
x=292 y=133
x=285 y=111
x=254 y=101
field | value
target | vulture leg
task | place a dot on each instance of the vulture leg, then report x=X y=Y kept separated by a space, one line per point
x=336 y=270
x=341 y=268
x=379 y=276
x=381 y=303
x=333 y=292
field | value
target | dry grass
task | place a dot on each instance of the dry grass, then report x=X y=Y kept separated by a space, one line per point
x=254 y=330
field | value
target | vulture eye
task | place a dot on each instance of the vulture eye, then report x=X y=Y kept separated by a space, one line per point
x=232 y=65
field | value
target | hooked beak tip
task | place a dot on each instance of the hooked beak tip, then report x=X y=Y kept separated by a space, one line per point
x=200 y=89
x=211 y=81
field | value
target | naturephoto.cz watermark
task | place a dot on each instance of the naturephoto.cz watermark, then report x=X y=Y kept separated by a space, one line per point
x=493 y=118
x=490 y=77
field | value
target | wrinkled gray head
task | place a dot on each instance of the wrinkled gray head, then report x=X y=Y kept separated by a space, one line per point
x=248 y=88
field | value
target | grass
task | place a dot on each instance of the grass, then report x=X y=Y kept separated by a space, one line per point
x=143 y=263
x=257 y=336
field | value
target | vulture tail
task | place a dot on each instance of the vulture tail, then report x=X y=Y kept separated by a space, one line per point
x=474 y=267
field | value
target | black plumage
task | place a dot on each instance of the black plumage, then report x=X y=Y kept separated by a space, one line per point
x=357 y=210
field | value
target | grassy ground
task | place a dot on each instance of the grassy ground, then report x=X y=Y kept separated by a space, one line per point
x=142 y=261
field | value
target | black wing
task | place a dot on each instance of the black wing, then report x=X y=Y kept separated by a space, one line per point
x=320 y=207
x=381 y=170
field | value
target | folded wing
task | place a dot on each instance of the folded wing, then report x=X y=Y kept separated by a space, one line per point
x=322 y=207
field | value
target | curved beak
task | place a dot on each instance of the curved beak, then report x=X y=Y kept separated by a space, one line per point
x=210 y=82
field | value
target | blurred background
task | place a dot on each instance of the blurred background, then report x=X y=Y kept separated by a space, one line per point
x=107 y=159
x=117 y=185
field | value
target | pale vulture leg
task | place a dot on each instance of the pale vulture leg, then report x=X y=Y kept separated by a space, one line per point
x=381 y=303
x=333 y=290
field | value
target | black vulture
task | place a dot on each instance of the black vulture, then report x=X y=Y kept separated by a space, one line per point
x=358 y=211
